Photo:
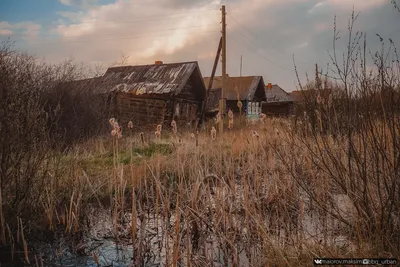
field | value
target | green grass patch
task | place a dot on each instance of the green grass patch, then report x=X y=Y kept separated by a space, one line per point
x=99 y=162
x=96 y=163
x=153 y=149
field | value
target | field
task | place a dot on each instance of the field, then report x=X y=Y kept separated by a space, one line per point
x=254 y=196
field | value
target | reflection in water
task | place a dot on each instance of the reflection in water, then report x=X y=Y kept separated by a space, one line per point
x=100 y=243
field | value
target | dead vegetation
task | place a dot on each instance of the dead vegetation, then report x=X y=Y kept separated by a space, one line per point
x=275 y=193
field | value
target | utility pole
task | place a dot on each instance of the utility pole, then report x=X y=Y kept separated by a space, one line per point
x=222 y=102
x=210 y=83
x=241 y=65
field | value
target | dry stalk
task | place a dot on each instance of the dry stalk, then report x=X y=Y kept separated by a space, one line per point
x=10 y=236
x=2 y=221
x=24 y=242
x=96 y=258
x=36 y=261
x=134 y=215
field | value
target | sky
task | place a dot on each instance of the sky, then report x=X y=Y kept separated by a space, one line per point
x=267 y=34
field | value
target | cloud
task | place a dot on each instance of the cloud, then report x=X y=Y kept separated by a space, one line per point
x=322 y=26
x=79 y=3
x=186 y=4
x=25 y=30
x=70 y=16
x=346 y=5
x=360 y=5
x=5 y=29
x=317 y=6
x=119 y=27
x=5 y=32
x=32 y=30
x=267 y=33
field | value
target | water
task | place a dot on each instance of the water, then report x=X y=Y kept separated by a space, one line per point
x=98 y=241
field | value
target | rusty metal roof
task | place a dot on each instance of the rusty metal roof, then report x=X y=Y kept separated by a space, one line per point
x=153 y=79
x=276 y=94
x=248 y=87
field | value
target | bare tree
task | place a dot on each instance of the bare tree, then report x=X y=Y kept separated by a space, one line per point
x=353 y=139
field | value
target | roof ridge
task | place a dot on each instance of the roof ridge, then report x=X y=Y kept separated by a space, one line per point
x=220 y=76
x=163 y=64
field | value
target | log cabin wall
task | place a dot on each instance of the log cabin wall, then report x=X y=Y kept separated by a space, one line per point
x=143 y=112
x=146 y=112
x=110 y=104
x=188 y=92
x=184 y=112
x=186 y=106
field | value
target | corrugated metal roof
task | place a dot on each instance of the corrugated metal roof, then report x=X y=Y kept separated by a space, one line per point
x=276 y=94
x=151 y=79
x=246 y=86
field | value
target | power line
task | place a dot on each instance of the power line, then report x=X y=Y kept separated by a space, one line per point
x=252 y=50
x=148 y=18
x=124 y=34
x=257 y=36
x=283 y=67
x=243 y=27
x=126 y=37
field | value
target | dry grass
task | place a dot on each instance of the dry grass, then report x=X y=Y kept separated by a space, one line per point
x=234 y=195
x=275 y=193
x=242 y=198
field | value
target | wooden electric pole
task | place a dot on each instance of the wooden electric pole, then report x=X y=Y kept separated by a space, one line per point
x=210 y=83
x=241 y=65
x=222 y=101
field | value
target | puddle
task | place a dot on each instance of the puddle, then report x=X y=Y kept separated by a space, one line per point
x=98 y=241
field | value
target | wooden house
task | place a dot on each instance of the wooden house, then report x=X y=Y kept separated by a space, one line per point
x=246 y=88
x=212 y=105
x=278 y=102
x=149 y=95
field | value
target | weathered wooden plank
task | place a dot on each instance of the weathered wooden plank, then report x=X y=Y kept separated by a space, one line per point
x=137 y=115
x=141 y=109
x=142 y=103
x=127 y=98
x=134 y=103
x=148 y=111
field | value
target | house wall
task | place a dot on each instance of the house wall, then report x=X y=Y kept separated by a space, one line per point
x=141 y=111
x=191 y=92
x=186 y=106
x=232 y=104
x=277 y=109
x=146 y=112
x=182 y=111
x=149 y=110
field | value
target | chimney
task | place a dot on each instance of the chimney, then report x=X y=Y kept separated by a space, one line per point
x=269 y=86
x=158 y=62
